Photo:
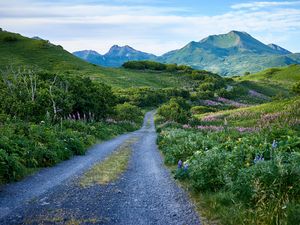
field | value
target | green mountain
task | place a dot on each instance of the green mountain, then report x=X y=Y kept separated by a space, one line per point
x=115 y=57
x=233 y=53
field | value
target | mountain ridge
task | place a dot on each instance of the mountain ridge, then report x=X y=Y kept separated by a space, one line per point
x=233 y=53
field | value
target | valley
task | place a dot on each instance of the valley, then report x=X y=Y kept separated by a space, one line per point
x=144 y=140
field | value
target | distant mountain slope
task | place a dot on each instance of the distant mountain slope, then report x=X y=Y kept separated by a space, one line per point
x=280 y=49
x=19 y=51
x=230 y=54
x=115 y=57
x=233 y=53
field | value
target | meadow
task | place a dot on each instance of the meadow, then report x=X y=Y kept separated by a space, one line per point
x=238 y=160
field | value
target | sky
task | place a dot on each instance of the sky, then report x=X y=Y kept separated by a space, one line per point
x=154 y=26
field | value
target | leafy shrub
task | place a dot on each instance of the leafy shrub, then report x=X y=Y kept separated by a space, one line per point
x=175 y=110
x=128 y=112
x=206 y=170
x=262 y=178
x=26 y=146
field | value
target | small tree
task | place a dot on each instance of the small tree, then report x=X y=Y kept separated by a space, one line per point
x=128 y=112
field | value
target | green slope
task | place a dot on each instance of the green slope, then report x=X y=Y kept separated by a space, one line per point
x=16 y=51
x=274 y=80
x=285 y=76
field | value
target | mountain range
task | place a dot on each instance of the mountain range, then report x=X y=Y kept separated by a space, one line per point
x=115 y=57
x=229 y=54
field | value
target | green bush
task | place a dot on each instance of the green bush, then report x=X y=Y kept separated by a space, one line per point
x=128 y=112
x=261 y=179
x=206 y=170
x=176 y=110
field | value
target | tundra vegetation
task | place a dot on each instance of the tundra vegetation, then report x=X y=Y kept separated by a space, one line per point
x=238 y=151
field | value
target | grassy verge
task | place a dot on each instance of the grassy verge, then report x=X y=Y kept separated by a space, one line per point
x=111 y=168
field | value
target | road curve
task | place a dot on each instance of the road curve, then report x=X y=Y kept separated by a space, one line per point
x=145 y=194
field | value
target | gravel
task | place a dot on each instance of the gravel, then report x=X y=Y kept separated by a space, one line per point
x=145 y=194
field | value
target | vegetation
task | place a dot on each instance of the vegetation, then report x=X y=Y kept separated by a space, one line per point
x=241 y=165
x=46 y=118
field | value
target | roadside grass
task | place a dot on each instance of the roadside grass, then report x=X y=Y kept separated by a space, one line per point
x=111 y=168
x=63 y=216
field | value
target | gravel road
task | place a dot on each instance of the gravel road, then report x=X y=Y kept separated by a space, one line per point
x=145 y=194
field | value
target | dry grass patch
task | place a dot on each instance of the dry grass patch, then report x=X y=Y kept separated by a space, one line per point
x=111 y=168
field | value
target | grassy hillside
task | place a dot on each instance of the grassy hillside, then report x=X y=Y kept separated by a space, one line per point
x=273 y=81
x=284 y=77
x=16 y=51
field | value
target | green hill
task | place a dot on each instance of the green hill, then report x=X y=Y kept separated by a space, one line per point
x=272 y=81
x=17 y=50
x=285 y=76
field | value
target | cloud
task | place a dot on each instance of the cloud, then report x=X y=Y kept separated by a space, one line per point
x=259 y=5
x=98 y=26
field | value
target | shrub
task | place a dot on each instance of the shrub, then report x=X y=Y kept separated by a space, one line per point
x=175 y=110
x=206 y=170
x=128 y=112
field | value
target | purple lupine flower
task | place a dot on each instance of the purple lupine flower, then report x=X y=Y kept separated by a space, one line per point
x=258 y=159
x=186 y=166
x=274 y=144
x=179 y=165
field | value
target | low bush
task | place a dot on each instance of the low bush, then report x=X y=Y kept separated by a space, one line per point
x=259 y=170
x=25 y=147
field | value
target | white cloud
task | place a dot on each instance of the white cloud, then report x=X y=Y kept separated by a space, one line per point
x=259 y=5
x=151 y=29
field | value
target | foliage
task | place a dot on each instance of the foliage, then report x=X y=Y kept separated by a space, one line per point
x=177 y=110
x=251 y=173
x=128 y=112
x=56 y=96
x=296 y=88
x=27 y=146
x=151 y=65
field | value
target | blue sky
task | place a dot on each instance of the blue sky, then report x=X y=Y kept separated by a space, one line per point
x=154 y=26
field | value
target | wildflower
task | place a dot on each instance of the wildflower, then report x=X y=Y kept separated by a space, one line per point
x=179 y=165
x=186 y=166
x=186 y=126
x=258 y=159
x=274 y=144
